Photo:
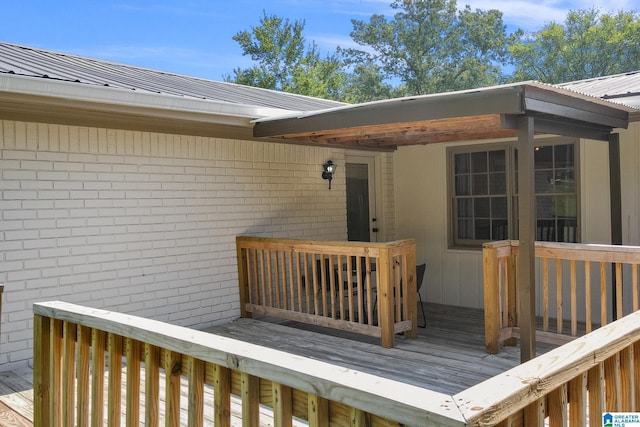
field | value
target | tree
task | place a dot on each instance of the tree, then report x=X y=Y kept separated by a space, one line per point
x=431 y=47
x=286 y=63
x=588 y=44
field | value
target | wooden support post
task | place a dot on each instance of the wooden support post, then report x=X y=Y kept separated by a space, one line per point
x=615 y=195
x=512 y=301
x=385 y=299
x=243 y=278
x=526 y=233
x=491 y=299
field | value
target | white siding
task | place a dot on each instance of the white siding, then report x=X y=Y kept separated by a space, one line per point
x=145 y=223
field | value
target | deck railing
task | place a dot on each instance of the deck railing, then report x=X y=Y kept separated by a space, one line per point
x=368 y=288
x=80 y=354
x=572 y=385
x=581 y=287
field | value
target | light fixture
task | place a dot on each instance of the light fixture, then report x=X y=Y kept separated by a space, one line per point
x=327 y=171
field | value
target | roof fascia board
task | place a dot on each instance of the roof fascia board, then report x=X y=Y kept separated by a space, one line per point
x=506 y=100
x=550 y=126
x=23 y=85
x=573 y=106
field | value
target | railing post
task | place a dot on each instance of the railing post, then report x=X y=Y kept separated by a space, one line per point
x=243 y=278
x=385 y=299
x=41 y=371
x=490 y=267
x=410 y=293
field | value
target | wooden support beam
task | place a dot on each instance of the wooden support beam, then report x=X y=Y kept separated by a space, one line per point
x=526 y=230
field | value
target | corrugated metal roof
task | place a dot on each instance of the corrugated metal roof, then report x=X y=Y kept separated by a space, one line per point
x=32 y=62
x=622 y=88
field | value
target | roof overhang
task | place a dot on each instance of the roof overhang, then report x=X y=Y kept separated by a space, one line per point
x=52 y=101
x=466 y=115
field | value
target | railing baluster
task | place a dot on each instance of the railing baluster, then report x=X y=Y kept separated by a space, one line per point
x=57 y=360
x=43 y=355
x=82 y=374
x=172 y=364
x=318 y=411
x=196 y=393
x=634 y=286
x=574 y=296
x=559 y=310
x=282 y=405
x=612 y=383
x=98 y=359
x=221 y=396
x=595 y=383
x=587 y=295
x=133 y=355
x=578 y=400
x=619 y=293
x=250 y=393
x=545 y=294
x=69 y=374
x=627 y=392
x=557 y=408
x=151 y=385
x=603 y=294
x=115 y=380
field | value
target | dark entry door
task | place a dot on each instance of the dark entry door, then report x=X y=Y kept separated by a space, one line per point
x=360 y=215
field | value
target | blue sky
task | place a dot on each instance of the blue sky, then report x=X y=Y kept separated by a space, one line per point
x=194 y=37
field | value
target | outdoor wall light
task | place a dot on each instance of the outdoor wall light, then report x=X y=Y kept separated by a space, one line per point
x=327 y=171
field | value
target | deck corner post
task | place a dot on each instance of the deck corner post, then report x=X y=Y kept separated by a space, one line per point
x=243 y=277
x=41 y=371
x=491 y=298
x=385 y=299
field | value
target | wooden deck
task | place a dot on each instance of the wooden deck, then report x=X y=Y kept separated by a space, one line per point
x=448 y=356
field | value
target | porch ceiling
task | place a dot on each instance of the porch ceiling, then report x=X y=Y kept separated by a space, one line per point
x=456 y=116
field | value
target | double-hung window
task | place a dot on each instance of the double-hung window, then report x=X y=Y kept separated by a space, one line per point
x=483 y=193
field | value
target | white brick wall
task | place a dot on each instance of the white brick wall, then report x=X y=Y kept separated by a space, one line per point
x=145 y=223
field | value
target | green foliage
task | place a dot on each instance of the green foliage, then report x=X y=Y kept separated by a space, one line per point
x=588 y=44
x=431 y=47
x=285 y=62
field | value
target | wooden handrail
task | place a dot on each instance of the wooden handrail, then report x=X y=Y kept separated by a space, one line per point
x=254 y=374
x=582 y=273
x=367 y=288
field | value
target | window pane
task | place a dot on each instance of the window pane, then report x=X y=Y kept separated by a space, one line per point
x=465 y=229
x=564 y=156
x=543 y=157
x=483 y=229
x=482 y=207
x=567 y=230
x=480 y=185
x=544 y=181
x=462 y=163
x=465 y=208
x=499 y=229
x=564 y=181
x=497 y=161
x=463 y=185
x=499 y=207
x=498 y=183
x=565 y=207
x=479 y=162
x=544 y=207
